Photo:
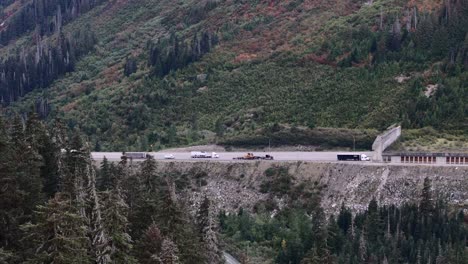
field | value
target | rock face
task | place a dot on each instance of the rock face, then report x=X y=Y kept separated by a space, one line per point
x=231 y=185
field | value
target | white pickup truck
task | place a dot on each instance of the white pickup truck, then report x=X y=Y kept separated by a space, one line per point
x=203 y=154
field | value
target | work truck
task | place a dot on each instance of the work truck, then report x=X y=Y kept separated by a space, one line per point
x=136 y=155
x=251 y=156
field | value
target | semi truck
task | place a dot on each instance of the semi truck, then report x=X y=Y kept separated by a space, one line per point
x=251 y=156
x=203 y=154
x=353 y=156
x=136 y=155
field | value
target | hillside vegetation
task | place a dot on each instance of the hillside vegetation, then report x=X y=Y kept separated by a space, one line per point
x=164 y=73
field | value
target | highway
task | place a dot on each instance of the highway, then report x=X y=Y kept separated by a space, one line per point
x=224 y=156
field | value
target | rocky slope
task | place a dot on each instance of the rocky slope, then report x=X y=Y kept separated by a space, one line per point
x=238 y=184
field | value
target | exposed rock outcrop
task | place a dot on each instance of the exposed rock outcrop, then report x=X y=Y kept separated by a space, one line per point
x=236 y=184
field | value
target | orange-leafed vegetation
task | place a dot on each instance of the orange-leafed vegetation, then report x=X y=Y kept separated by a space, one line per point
x=426 y=5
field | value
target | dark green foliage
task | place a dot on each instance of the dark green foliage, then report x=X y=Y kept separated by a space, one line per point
x=440 y=43
x=130 y=66
x=169 y=252
x=59 y=234
x=156 y=215
x=174 y=222
x=197 y=12
x=10 y=195
x=104 y=181
x=149 y=246
x=20 y=176
x=44 y=65
x=49 y=150
x=279 y=182
x=5 y=256
x=115 y=212
x=145 y=199
x=378 y=235
x=79 y=224
x=219 y=128
x=441 y=109
x=172 y=54
x=323 y=137
x=424 y=32
x=344 y=219
x=427 y=203
x=207 y=225
x=438 y=37
x=45 y=17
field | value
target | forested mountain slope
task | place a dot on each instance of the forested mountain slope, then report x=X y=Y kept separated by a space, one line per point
x=131 y=74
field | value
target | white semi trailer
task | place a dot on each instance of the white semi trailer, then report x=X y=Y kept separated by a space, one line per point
x=203 y=154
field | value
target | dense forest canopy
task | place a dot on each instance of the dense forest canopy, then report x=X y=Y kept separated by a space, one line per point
x=381 y=234
x=55 y=207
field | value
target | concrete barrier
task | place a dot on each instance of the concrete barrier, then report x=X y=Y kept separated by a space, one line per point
x=384 y=140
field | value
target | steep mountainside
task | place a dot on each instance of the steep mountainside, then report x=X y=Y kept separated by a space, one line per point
x=152 y=73
x=252 y=184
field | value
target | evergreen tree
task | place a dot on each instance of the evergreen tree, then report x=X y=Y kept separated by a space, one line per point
x=130 y=66
x=426 y=206
x=116 y=226
x=149 y=246
x=28 y=171
x=344 y=219
x=319 y=235
x=101 y=249
x=206 y=227
x=312 y=257
x=59 y=234
x=169 y=252
x=335 y=236
x=174 y=221
x=73 y=167
x=146 y=199
x=424 y=33
x=373 y=223
x=395 y=41
x=5 y=256
x=440 y=43
x=50 y=152
x=18 y=137
x=78 y=182
x=219 y=128
x=104 y=182
x=21 y=183
x=150 y=178
x=11 y=197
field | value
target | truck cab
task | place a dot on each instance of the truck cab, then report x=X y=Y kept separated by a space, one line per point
x=364 y=157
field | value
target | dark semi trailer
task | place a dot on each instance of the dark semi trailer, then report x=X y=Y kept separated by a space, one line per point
x=356 y=157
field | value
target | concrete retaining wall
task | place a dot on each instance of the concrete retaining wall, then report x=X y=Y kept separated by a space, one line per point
x=383 y=141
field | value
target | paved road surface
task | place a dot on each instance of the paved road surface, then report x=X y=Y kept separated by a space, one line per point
x=230 y=259
x=285 y=156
